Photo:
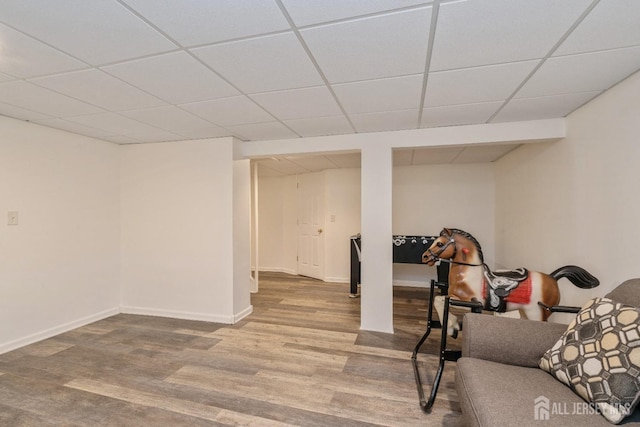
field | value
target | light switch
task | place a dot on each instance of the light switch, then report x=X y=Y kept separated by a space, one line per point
x=332 y=218
x=12 y=218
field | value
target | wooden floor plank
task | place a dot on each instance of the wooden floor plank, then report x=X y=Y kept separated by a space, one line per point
x=240 y=419
x=75 y=407
x=300 y=359
x=293 y=391
x=147 y=399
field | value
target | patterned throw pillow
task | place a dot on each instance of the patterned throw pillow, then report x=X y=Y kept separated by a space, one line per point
x=599 y=357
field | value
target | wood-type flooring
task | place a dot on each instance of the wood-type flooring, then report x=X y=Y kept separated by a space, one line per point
x=300 y=359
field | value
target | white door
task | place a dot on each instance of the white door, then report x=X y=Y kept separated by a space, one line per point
x=311 y=225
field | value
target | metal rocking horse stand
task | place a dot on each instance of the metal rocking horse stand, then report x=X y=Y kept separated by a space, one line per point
x=444 y=353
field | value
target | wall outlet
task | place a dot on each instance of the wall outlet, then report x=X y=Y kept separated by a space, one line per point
x=12 y=218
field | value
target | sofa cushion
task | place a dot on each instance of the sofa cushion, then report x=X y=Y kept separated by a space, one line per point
x=519 y=342
x=495 y=394
x=628 y=292
x=599 y=357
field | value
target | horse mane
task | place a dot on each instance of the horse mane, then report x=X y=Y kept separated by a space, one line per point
x=471 y=238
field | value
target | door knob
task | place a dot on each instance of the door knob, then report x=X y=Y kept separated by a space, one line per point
x=319 y=230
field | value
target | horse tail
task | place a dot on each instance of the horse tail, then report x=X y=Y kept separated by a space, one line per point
x=576 y=275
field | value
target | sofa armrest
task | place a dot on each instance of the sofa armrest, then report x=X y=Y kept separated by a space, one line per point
x=505 y=340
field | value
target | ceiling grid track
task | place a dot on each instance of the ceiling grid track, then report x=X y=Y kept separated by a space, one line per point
x=314 y=62
x=188 y=52
x=547 y=56
x=427 y=64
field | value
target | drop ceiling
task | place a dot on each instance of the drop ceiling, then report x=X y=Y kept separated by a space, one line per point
x=290 y=165
x=136 y=71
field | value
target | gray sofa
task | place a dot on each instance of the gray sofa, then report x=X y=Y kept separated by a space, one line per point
x=498 y=379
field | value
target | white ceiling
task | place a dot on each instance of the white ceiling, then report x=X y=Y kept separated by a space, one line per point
x=132 y=71
x=289 y=165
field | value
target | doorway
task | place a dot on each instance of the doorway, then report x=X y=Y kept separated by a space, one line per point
x=307 y=208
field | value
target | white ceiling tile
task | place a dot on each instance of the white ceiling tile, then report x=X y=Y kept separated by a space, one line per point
x=155 y=135
x=97 y=32
x=299 y=103
x=5 y=78
x=454 y=115
x=31 y=97
x=611 y=24
x=23 y=56
x=203 y=133
x=74 y=128
x=267 y=172
x=307 y=13
x=370 y=96
x=312 y=163
x=582 y=72
x=483 y=32
x=176 y=77
x=432 y=156
x=20 y=113
x=546 y=107
x=345 y=160
x=262 y=64
x=120 y=125
x=369 y=48
x=390 y=120
x=99 y=88
x=119 y=139
x=263 y=131
x=473 y=85
x=319 y=126
x=231 y=111
x=168 y=118
x=200 y=22
x=279 y=167
x=484 y=153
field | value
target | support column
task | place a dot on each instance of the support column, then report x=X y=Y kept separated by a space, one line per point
x=241 y=239
x=377 y=252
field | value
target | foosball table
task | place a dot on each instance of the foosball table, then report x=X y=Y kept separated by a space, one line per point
x=406 y=250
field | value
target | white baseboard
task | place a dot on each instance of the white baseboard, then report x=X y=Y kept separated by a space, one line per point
x=277 y=270
x=295 y=273
x=337 y=279
x=411 y=283
x=242 y=314
x=57 y=330
x=186 y=315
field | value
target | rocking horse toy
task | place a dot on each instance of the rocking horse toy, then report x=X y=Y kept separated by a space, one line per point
x=472 y=284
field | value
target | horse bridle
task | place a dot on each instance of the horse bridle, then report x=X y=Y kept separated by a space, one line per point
x=450 y=242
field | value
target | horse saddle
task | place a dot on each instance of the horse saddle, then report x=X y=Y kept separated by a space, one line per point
x=500 y=283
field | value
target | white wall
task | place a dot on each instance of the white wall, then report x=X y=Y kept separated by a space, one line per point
x=277 y=224
x=343 y=203
x=428 y=198
x=177 y=229
x=576 y=201
x=425 y=199
x=241 y=239
x=270 y=223
x=59 y=266
x=290 y=224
